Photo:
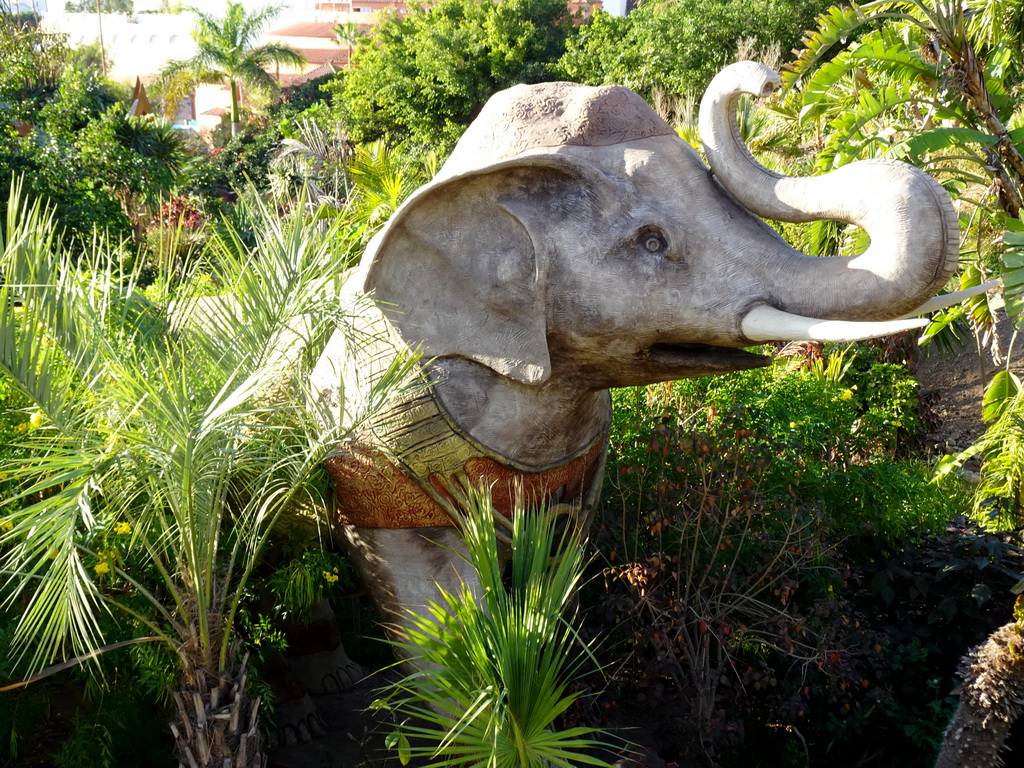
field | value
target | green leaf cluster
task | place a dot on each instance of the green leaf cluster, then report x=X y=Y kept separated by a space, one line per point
x=679 y=46
x=421 y=77
x=166 y=438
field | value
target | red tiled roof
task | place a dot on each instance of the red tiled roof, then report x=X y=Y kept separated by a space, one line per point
x=323 y=56
x=307 y=29
x=313 y=74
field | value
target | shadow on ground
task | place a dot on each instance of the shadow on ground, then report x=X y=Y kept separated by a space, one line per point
x=355 y=736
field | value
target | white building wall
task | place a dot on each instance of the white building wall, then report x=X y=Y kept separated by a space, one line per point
x=137 y=45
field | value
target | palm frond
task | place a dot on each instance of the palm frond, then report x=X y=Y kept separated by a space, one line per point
x=1013 y=270
x=836 y=30
x=277 y=53
x=197 y=436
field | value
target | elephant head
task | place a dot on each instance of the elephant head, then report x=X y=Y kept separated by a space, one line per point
x=574 y=243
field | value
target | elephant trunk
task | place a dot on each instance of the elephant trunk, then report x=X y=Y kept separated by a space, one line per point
x=908 y=216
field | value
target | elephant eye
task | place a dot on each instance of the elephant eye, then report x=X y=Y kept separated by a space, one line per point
x=653 y=241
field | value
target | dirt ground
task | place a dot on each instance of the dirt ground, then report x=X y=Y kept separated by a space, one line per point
x=959 y=382
x=356 y=734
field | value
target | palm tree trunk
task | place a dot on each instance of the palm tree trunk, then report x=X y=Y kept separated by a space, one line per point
x=1006 y=162
x=992 y=699
x=215 y=724
x=234 y=107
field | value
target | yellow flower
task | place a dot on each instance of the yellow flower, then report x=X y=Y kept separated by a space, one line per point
x=792 y=425
x=36 y=419
x=846 y=395
x=101 y=568
x=6 y=525
x=330 y=577
x=122 y=527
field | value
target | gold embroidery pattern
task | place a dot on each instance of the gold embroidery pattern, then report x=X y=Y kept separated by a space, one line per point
x=396 y=469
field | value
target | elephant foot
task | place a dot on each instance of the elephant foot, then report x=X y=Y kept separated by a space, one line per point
x=316 y=656
x=296 y=722
x=326 y=672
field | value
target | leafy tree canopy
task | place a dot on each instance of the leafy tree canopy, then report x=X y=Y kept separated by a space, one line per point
x=425 y=75
x=32 y=65
x=678 y=46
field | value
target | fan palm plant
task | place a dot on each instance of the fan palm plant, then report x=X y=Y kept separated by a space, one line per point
x=496 y=671
x=228 y=54
x=161 y=452
x=384 y=176
x=317 y=158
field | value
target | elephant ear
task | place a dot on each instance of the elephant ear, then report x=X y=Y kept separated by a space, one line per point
x=460 y=269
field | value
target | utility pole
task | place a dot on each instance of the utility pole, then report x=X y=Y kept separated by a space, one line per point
x=103 y=50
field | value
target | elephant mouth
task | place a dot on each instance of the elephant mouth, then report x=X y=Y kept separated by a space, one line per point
x=702 y=359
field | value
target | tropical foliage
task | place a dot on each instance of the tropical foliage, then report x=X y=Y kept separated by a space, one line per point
x=424 y=75
x=165 y=440
x=935 y=84
x=785 y=580
x=496 y=671
x=677 y=47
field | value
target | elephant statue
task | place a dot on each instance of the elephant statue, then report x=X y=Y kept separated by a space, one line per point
x=573 y=243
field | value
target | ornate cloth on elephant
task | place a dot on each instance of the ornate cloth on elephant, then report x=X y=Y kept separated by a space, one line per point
x=395 y=472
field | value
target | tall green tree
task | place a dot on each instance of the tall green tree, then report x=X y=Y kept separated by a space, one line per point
x=228 y=54
x=348 y=33
x=677 y=46
x=424 y=75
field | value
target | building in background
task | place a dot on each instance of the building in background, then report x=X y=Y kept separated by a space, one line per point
x=316 y=40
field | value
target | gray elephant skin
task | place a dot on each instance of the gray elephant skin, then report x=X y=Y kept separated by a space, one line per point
x=573 y=243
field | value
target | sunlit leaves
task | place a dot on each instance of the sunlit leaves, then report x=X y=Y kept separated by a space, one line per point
x=850 y=139
x=836 y=30
x=1013 y=270
x=195 y=435
x=424 y=75
x=999 y=394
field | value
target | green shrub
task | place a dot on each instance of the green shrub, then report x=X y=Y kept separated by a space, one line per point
x=733 y=521
x=494 y=679
x=837 y=440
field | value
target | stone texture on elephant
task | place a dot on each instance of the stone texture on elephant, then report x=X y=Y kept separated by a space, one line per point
x=573 y=243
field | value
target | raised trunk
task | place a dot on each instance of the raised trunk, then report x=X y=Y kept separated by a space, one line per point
x=216 y=721
x=909 y=217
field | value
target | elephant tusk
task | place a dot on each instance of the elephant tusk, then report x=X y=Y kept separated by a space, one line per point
x=936 y=303
x=764 y=323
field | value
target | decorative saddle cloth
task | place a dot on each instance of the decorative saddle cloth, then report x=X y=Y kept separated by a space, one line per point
x=396 y=470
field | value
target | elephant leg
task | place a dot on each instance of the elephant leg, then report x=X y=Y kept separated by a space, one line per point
x=316 y=656
x=296 y=719
x=404 y=569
